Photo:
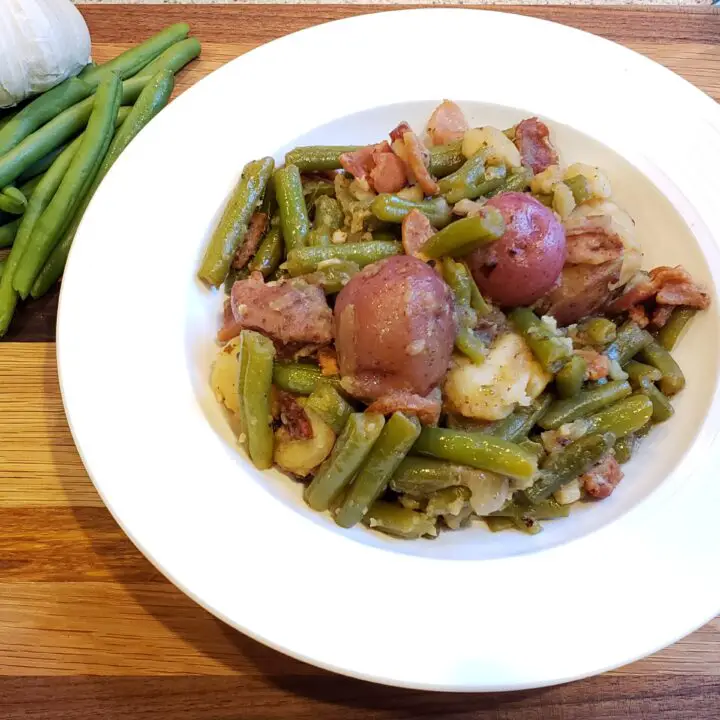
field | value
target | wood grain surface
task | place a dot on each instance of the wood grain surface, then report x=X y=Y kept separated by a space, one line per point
x=90 y=630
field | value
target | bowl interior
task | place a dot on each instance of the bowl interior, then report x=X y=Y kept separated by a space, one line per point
x=666 y=239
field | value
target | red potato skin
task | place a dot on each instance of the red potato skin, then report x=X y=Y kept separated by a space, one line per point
x=526 y=262
x=394 y=329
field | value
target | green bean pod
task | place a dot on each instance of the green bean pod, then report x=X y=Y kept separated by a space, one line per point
x=318 y=158
x=517 y=426
x=571 y=462
x=662 y=409
x=672 y=380
x=175 y=58
x=8 y=233
x=328 y=219
x=233 y=224
x=477 y=301
x=630 y=340
x=623 y=418
x=301 y=378
x=394 y=209
x=308 y=259
x=351 y=448
x=571 y=376
x=583 y=404
x=462 y=182
x=446 y=159
x=291 y=205
x=457 y=276
x=544 y=510
x=333 y=276
x=484 y=452
x=329 y=405
x=470 y=345
x=639 y=374
x=399 y=521
x=670 y=333
x=625 y=447
x=421 y=476
x=465 y=235
x=551 y=351
x=517 y=181
x=450 y=501
x=392 y=445
x=269 y=255
x=597 y=330
x=12 y=200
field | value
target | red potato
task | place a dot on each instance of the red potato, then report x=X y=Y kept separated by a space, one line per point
x=526 y=262
x=394 y=329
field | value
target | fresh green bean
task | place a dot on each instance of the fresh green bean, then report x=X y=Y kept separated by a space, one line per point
x=623 y=417
x=672 y=380
x=328 y=218
x=233 y=224
x=662 y=409
x=316 y=158
x=307 y=259
x=630 y=340
x=175 y=58
x=28 y=187
x=551 y=351
x=583 y=404
x=42 y=165
x=291 y=203
x=333 y=275
x=597 y=330
x=517 y=181
x=420 y=476
x=470 y=345
x=393 y=209
x=480 y=451
x=625 y=447
x=351 y=448
x=670 y=333
x=570 y=378
x=580 y=188
x=329 y=405
x=574 y=460
x=8 y=233
x=639 y=373
x=516 y=426
x=399 y=521
x=12 y=200
x=450 y=501
x=301 y=378
x=58 y=214
x=446 y=159
x=270 y=253
x=392 y=445
x=462 y=182
x=465 y=235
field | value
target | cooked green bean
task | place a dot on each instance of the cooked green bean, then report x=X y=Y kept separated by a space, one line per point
x=333 y=275
x=545 y=198
x=497 y=523
x=58 y=214
x=175 y=58
x=12 y=200
x=639 y=373
x=233 y=224
x=465 y=235
x=534 y=448
x=351 y=448
x=457 y=276
x=570 y=378
x=544 y=510
x=8 y=233
x=623 y=417
x=463 y=182
x=477 y=301
x=329 y=405
x=670 y=333
x=301 y=378
x=518 y=181
x=269 y=255
x=630 y=340
x=307 y=259
x=316 y=158
x=291 y=204
x=393 y=209
x=516 y=426
x=574 y=460
x=420 y=476
x=551 y=351
x=328 y=219
x=450 y=501
x=470 y=345
x=625 y=447
x=3 y=262
x=662 y=409
x=580 y=188
x=256 y=398
x=446 y=159
x=672 y=380
x=399 y=521
x=480 y=451
x=392 y=445
x=597 y=330
x=583 y=404
x=242 y=376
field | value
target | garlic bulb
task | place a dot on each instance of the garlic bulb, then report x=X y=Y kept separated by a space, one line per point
x=42 y=42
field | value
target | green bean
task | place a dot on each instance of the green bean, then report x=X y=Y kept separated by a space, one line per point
x=623 y=417
x=571 y=462
x=625 y=447
x=399 y=521
x=580 y=188
x=291 y=203
x=351 y=448
x=570 y=378
x=307 y=259
x=313 y=189
x=42 y=165
x=12 y=200
x=470 y=345
x=545 y=198
x=480 y=451
x=662 y=409
x=392 y=445
x=498 y=524
x=544 y=510
x=517 y=181
x=630 y=340
x=233 y=224
x=175 y=58
x=517 y=426
x=420 y=476
x=477 y=301
x=269 y=255
x=597 y=330
x=670 y=333
x=241 y=379
x=333 y=275
x=583 y=404
x=301 y=378
x=8 y=233
x=450 y=501
x=457 y=276
x=672 y=380
x=551 y=351
x=393 y=209
x=465 y=235
x=329 y=405
x=3 y=262
x=316 y=158
x=446 y=159
x=28 y=187
x=328 y=218
x=534 y=448
x=639 y=373
x=58 y=214
x=462 y=182
x=153 y=97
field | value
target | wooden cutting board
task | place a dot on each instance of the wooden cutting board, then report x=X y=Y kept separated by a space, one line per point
x=89 y=630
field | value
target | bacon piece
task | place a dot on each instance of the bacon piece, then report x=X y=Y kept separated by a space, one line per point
x=416 y=231
x=418 y=159
x=293 y=417
x=661 y=315
x=532 y=139
x=251 y=241
x=592 y=244
x=447 y=123
x=327 y=359
x=388 y=174
x=426 y=409
x=638 y=315
x=601 y=480
x=231 y=327
x=288 y=311
x=598 y=365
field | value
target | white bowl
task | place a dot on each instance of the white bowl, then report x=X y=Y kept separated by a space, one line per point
x=471 y=610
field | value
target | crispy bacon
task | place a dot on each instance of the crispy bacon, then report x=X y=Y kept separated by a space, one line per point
x=253 y=236
x=426 y=409
x=661 y=315
x=532 y=139
x=601 y=480
x=638 y=315
x=447 y=123
x=416 y=231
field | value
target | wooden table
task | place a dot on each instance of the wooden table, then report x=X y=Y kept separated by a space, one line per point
x=89 y=630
